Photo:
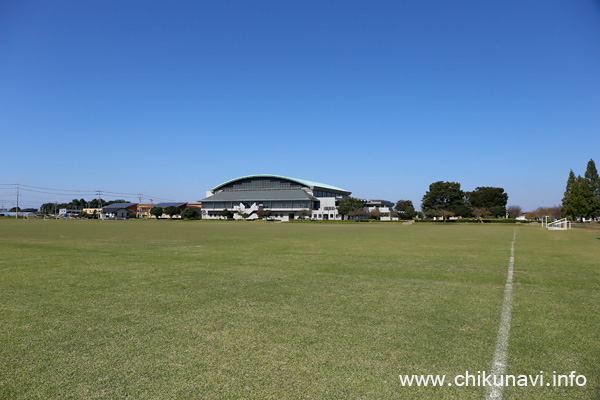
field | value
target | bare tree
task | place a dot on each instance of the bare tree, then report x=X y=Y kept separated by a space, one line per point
x=481 y=212
x=445 y=214
x=358 y=214
x=375 y=214
x=514 y=211
x=304 y=213
x=553 y=212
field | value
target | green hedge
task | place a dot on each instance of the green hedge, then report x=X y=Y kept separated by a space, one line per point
x=477 y=221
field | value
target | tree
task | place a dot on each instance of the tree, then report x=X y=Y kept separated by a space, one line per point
x=514 y=211
x=190 y=213
x=227 y=214
x=305 y=214
x=359 y=213
x=445 y=214
x=493 y=199
x=157 y=211
x=586 y=202
x=94 y=203
x=348 y=205
x=266 y=214
x=375 y=213
x=568 y=201
x=405 y=208
x=115 y=202
x=578 y=200
x=480 y=212
x=409 y=213
x=445 y=196
x=582 y=194
x=172 y=211
x=593 y=181
x=553 y=212
x=402 y=205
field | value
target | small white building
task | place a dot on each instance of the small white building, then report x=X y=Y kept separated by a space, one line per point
x=385 y=208
x=68 y=212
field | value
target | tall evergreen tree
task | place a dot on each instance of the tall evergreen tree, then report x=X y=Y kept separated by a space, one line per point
x=568 y=202
x=586 y=199
x=593 y=180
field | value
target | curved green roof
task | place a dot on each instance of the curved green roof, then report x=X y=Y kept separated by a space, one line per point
x=300 y=181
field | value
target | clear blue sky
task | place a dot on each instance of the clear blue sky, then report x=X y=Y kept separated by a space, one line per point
x=381 y=98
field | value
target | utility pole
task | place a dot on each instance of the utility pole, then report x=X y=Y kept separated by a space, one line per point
x=99 y=198
x=139 y=212
x=17 y=209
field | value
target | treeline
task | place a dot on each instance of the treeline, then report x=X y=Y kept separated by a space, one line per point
x=51 y=208
x=582 y=195
x=447 y=199
x=443 y=200
x=541 y=212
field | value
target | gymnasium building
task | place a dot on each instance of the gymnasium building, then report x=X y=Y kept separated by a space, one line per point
x=286 y=198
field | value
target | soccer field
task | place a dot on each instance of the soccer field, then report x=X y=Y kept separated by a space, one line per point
x=196 y=309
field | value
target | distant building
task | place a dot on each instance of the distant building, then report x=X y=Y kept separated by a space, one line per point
x=385 y=208
x=143 y=210
x=92 y=211
x=285 y=198
x=118 y=211
x=5 y=213
x=68 y=212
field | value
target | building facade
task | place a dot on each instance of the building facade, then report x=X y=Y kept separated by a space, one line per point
x=283 y=197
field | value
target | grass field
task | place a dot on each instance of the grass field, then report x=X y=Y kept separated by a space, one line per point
x=161 y=309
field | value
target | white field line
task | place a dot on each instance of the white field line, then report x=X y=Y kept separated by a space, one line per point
x=501 y=354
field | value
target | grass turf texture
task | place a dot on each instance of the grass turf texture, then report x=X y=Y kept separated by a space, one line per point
x=161 y=309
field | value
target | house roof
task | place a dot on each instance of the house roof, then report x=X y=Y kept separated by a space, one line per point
x=257 y=195
x=303 y=182
x=172 y=204
x=117 y=206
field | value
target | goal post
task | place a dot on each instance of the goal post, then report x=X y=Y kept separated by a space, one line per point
x=560 y=225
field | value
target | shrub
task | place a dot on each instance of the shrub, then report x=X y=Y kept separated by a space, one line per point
x=190 y=213
x=156 y=211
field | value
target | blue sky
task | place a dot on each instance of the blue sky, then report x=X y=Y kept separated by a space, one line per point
x=380 y=98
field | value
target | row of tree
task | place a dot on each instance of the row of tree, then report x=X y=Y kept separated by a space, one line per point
x=443 y=199
x=171 y=211
x=582 y=195
x=51 y=208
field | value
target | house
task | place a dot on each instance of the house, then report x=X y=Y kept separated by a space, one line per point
x=118 y=211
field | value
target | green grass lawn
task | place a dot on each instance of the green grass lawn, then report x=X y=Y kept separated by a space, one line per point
x=176 y=309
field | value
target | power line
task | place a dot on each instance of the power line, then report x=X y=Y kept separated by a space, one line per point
x=20 y=188
x=59 y=190
x=59 y=194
